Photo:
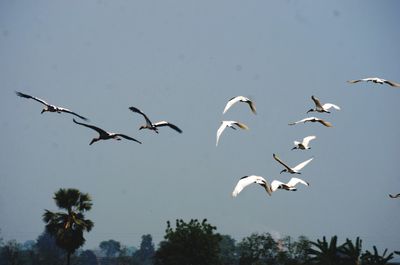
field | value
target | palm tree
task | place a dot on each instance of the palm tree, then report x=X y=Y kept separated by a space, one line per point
x=67 y=227
x=352 y=251
x=326 y=254
x=375 y=259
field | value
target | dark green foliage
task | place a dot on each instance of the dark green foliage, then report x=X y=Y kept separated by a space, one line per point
x=369 y=258
x=323 y=253
x=352 y=252
x=110 y=248
x=87 y=257
x=228 y=254
x=144 y=255
x=192 y=243
x=47 y=251
x=258 y=249
x=68 y=227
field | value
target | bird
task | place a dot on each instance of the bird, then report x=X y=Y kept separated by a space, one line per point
x=48 y=107
x=290 y=186
x=103 y=135
x=154 y=126
x=303 y=145
x=375 y=80
x=230 y=124
x=394 y=196
x=294 y=170
x=322 y=108
x=234 y=100
x=247 y=180
x=313 y=119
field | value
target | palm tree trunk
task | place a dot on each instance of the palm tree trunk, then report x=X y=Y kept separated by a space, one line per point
x=68 y=258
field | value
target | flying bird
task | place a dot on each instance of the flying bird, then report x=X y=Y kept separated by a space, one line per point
x=230 y=124
x=234 y=100
x=375 y=80
x=103 y=135
x=154 y=126
x=394 y=196
x=48 y=107
x=294 y=170
x=290 y=186
x=313 y=119
x=247 y=180
x=322 y=108
x=303 y=145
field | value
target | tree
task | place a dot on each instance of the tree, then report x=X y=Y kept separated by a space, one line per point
x=325 y=254
x=192 y=243
x=258 y=249
x=68 y=227
x=47 y=251
x=352 y=251
x=369 y=258
x=228 y=252
x=110 y=248
x=10 y=253
x=87 y=257
x=144 y=255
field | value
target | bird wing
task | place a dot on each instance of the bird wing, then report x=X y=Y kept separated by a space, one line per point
x=127 y=137
x=391 y=83
x=317 y=102
x=280 y=161
x=252 y=106
x=394 y=196
x=144 y=115
x=355 y=81
x=275 y=184
x=303 y=164
x=231 y=102
x=303 y=120
x=307 y=139
x=294 y=181
x=241 y=125
x=220 y=130
x=165 y=123
x=71 y=112
x=326 y=123
x=100 y=131
x=32 y=97
x=327 y=106
x=246 y=181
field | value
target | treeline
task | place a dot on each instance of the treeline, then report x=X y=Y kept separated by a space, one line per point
x=198 y=243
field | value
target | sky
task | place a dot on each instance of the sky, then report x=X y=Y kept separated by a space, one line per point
x=181 y=61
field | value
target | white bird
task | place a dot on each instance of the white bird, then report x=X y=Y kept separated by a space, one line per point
x=48 y=107
x=103 y=135
x=313 y=119
x=294 y=170
x=303 y=145
x=393 y=196
x=247 y=180
x=290 y=186
x=322 y=108
x=240 y=99
x=375 y=80
x=154 y=126
x=230 y=124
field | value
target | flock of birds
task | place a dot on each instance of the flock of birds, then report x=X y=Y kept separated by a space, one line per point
x=246 y=180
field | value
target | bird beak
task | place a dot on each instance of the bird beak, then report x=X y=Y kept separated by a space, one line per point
x=282 y=171
x=43 y=110
x=310 y=110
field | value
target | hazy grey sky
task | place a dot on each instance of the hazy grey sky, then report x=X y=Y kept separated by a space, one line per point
x=181 y=61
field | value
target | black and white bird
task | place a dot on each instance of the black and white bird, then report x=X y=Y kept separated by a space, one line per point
x=48 y=107
x=303 y=145
x=394 y=196
x=234 y=100
x=154 y=126
x=290 y=186
x=247 y=180
x=313 y=119
x=292 y=170
x=322 y=108
x=229 y=124
x=375 y=80
x=103 y=135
